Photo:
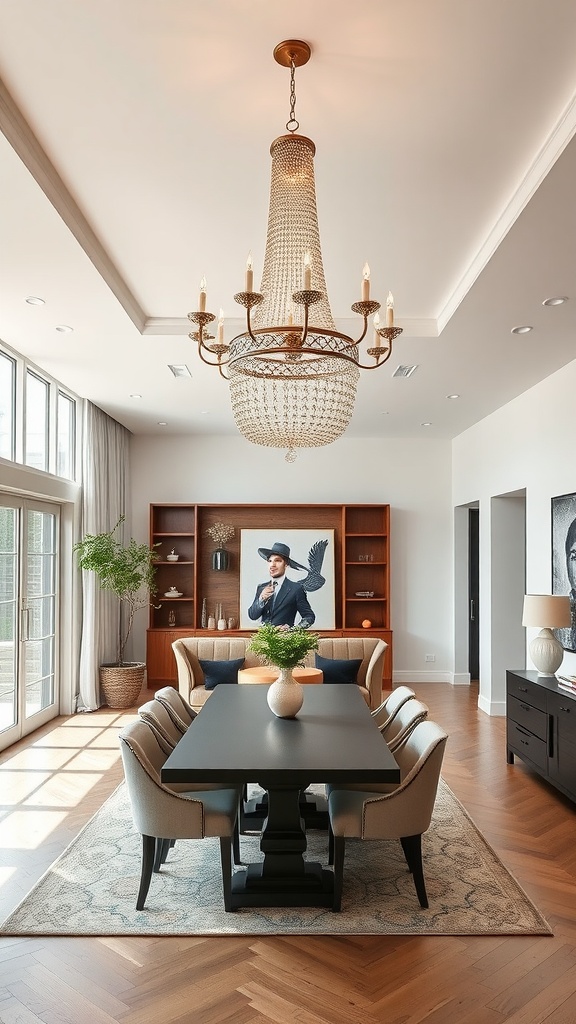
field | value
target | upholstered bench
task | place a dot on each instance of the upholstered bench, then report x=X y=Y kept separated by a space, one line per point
x=190 y=651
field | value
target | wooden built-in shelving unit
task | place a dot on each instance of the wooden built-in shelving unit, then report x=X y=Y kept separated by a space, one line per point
x=361 y=566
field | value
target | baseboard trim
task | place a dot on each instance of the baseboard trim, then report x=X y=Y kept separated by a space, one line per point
x=422 y=677
x=496 y=708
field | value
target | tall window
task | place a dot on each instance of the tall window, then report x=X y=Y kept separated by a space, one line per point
x=38 y=418
x=7 y=405
x=66 y=432
x=36 y=421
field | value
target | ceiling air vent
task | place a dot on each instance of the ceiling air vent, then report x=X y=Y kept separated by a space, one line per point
x=404 y=371
x=179 y=369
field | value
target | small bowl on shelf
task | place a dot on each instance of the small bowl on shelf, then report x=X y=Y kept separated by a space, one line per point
x=172 y=592
x=172 y=557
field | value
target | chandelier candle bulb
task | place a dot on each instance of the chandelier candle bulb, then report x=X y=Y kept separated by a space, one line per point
x=390 y=310
x=249 y=274
x=366 y=283
x=221 y=327
x=202 y=299
x=307 y=272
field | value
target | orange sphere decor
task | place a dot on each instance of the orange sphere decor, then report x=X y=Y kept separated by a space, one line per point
x=366 y=624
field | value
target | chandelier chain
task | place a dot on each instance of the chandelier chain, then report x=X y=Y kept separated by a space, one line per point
x=292 y=125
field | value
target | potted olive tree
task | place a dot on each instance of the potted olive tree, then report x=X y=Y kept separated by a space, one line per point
x=128 y=571
x=284 y=649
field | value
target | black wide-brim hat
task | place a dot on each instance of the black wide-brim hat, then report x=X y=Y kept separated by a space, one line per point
x=284 y=551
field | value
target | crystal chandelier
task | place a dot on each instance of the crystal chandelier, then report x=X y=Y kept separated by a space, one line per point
x=292 y=375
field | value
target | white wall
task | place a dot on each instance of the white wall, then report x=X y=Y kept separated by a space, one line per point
x=526 y=446
x=412 y=476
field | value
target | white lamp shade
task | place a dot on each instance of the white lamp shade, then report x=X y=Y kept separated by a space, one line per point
x=550 y=611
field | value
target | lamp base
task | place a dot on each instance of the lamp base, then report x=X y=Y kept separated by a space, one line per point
x=546 y=652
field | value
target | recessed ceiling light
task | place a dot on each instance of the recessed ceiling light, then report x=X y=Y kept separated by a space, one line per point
x=426 y=424
x=179 y=369
x=385 y=413
x=64 y=329
x=33 y=300
x=452 y=396
x=204 y=412
x=521 y=330
x=162 y=423
x=555 y=300
x=135 y=396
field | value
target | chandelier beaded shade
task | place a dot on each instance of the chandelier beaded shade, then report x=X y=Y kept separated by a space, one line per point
x=292 y=375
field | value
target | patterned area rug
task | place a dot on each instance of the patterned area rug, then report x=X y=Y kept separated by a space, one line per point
x=91 y=888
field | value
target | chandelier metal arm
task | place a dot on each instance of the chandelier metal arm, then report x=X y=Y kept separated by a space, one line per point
x=249 y=300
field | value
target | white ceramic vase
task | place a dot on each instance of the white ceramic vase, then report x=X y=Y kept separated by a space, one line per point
x=285 y=695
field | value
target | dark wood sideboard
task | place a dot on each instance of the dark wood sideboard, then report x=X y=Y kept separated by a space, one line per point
x=357 y=529
x=541 y=727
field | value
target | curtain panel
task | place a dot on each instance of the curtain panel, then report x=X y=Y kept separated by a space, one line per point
x=105 y=497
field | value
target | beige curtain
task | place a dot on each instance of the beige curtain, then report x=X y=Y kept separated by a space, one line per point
x=105 y=497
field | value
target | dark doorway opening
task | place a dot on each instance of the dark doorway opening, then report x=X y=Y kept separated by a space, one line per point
x=473 y=592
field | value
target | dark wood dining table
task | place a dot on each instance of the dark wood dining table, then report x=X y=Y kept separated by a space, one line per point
x=236 y=739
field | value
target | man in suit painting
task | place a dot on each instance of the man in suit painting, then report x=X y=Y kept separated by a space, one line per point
x=277 y=601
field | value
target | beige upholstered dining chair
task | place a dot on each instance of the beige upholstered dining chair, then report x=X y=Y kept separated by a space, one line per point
x=401 y=724
x=393 y=702
x=180 y=711
x=404 y=814
x=157 y=717
x=159 y=812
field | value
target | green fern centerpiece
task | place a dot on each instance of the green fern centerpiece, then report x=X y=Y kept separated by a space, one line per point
x=283 y=648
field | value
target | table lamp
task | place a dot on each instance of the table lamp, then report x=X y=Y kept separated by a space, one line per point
x=548 y=612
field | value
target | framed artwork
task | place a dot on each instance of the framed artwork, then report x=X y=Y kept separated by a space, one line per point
x=564 y=560
x=311 y=550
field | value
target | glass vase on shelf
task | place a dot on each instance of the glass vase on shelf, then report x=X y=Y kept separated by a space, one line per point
x=220 y=560
x=220 y=533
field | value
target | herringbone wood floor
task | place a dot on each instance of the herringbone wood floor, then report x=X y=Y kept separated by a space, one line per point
x=52 y=783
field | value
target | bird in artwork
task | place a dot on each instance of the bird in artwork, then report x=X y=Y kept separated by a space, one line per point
x=314 y=580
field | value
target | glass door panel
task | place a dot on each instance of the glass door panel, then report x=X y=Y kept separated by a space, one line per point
x=29 y=534
x=38 y=611
x=8 y=617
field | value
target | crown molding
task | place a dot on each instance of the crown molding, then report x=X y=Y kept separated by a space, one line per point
x=167 y=325
x=554 y=145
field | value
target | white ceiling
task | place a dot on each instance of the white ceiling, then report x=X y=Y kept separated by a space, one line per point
x=135 y=160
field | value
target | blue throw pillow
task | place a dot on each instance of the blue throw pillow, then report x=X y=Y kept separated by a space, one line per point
x=216 y=672
x=338 y=670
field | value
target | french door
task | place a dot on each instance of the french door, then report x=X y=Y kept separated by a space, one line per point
x=29 y=537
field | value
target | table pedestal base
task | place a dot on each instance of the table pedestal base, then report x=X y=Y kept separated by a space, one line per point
x=313 y=809
x=313 y=888
x=284 y=878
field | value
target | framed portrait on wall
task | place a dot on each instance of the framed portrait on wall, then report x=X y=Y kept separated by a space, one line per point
x=564 y=560
x=310 y=563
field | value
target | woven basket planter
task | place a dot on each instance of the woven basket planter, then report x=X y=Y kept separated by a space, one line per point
x=121 y=684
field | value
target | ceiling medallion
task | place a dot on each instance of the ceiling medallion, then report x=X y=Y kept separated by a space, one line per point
x=292 y=375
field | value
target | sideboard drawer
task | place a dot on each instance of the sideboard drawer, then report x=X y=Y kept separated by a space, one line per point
x=526 y=691
x=527 y=745
x=530 y=718
x=564 y=708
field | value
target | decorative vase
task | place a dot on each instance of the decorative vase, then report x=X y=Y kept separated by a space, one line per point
x=221 y=624
x=211 y=622
x=286 y=695
x=204 y=619
x=220 y=560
